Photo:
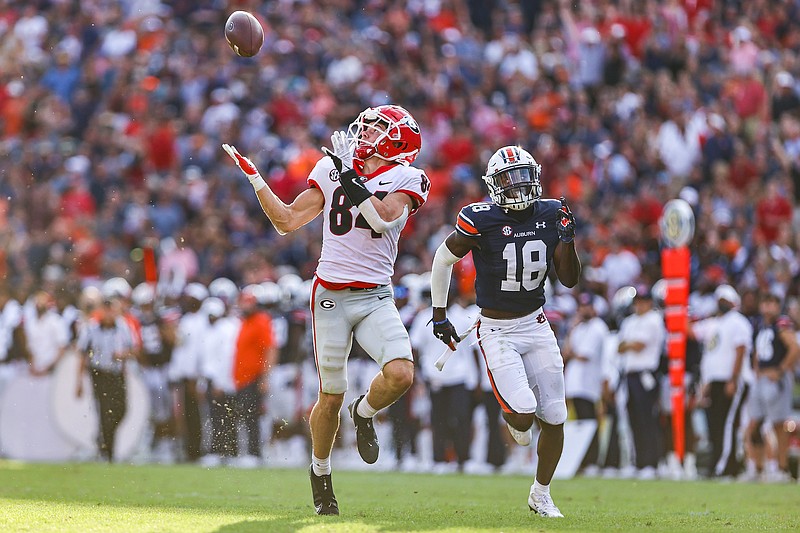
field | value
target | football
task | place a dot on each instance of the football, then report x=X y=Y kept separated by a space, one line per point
x=244 y=33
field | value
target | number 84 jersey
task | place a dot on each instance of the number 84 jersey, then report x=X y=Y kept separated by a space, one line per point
x=513 y=255
x=352 y=253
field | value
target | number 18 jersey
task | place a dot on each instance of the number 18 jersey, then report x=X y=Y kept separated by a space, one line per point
x=352 y=253
x=513 y=257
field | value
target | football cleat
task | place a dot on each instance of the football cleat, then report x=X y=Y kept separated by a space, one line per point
x=542 y=504
x=366 y=439
x=322 y=489
x=523 y=438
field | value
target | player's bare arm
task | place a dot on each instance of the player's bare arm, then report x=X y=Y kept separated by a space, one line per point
x=285 y=217
x=288 y=217
x=565 y=258
x=567 y=263
x=789 y=338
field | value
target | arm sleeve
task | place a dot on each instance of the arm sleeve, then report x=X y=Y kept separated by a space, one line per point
x=441 y=272
x=376 y=222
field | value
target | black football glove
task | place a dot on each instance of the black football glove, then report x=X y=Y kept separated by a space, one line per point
x=342 y=157
x=446 y=332
x=353 y=187
x=566 y=222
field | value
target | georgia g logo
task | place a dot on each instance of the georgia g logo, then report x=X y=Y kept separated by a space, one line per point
x=327 y=304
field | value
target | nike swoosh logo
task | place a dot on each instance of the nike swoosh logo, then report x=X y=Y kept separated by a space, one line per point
x=384 y=182
x=384 y=297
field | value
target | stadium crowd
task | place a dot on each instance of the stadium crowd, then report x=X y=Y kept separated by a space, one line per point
x=112 y=115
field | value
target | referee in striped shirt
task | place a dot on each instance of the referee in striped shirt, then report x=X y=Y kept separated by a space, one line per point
x=106 y=343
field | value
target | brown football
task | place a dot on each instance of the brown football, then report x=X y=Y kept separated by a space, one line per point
x=244 y=33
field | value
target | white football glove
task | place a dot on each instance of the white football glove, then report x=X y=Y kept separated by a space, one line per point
x=342 y=153
x=246 y=166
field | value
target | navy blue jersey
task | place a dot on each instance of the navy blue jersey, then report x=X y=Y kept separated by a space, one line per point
x=512 y=258
x=770 y=349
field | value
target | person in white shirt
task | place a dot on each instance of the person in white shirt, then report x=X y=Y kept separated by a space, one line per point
x=365 y=188
x=641 y=341
x=620 y=267
x=219 y=348
x=727 y=340
x=10 y=320
x=47 y=335
x=449 y=389
x=583 y=374
x=184 y=366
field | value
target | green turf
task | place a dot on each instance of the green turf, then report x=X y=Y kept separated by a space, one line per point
x=96 y=497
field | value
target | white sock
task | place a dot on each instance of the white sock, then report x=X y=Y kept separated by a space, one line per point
x=538 y=488
x=365 y=410
x=321 y=467
x=772 y=466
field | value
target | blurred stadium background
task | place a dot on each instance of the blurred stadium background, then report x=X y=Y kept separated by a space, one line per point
x=112 y=114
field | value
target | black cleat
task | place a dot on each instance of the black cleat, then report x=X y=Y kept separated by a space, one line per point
x=366 y=438
x=322 y=489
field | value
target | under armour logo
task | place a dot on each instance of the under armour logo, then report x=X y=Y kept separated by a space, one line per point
x=540 y=225
x=541 y=319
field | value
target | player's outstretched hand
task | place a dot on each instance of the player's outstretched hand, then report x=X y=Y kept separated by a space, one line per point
x=446 y=332
x=241 y=161
x=342 y=153
x=566 y=222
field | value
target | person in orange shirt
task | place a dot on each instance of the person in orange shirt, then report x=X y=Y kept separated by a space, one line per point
x=255 y=355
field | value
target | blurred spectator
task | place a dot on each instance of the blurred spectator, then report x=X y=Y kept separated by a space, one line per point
x=158 y=341
x=253 y=360
x=785 y=98
x=217 y=368
x=583 y=375
x=450 y=388
x=641 y=340
x=727 y=341
x=184 y=369
x=775 y=359
x=46 y=333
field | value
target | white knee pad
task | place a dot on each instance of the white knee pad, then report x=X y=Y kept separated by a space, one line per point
x=524 y=401
x=554 y=413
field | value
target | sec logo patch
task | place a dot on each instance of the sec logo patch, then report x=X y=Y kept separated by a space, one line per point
x=327 y=304
x=334 y=175
x=507 y=231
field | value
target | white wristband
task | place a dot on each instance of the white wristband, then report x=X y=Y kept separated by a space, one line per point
x=257 y=182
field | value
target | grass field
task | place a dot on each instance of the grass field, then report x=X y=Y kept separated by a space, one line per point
x=96 y=497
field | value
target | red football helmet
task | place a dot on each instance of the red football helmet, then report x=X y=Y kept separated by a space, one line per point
x=399 y=139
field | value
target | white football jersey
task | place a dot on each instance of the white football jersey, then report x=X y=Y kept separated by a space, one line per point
x=351 y=251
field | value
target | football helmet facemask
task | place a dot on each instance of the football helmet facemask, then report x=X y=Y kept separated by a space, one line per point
x=512 y=176
x=399 y=139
